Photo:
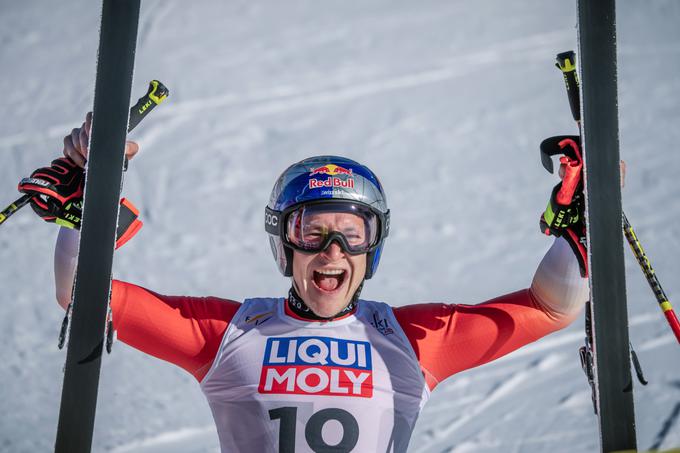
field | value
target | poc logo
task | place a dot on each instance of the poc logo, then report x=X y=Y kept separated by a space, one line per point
x=317 y=366
x=271 y=219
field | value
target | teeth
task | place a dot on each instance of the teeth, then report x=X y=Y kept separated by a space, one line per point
x=331 y=272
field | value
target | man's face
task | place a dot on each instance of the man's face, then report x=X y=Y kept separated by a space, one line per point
x=326 y=281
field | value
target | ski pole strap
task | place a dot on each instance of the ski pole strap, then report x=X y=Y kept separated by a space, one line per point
x=560 y=145
x=586 y=355
x=637 y=366
x=588 y=360
x=566 y=62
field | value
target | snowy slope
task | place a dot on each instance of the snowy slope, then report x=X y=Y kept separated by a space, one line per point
x=447 y=100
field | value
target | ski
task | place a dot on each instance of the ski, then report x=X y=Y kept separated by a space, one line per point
x=608 y=313
x=117 y=43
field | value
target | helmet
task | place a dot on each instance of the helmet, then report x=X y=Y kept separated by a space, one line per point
x=332 y=181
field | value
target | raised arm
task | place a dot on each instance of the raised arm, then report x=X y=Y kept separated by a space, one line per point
x=452 y=338
x=448 y=338
x=185 y=331
x=64 y=179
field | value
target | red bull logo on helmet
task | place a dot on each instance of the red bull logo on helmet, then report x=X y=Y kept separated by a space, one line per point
x=318 y=366
x=331 y=169
x=337 y=177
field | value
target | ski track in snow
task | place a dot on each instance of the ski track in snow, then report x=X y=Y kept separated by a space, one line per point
x=189 y=438
x=281 y=100
x=150 y=16
x=514 y=374
x=666 y=426
x=503 y=389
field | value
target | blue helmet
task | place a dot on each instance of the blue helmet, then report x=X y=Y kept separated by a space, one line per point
x=328 y=180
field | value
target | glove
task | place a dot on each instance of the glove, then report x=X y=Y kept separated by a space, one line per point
x=57 y=193
x=565 y=214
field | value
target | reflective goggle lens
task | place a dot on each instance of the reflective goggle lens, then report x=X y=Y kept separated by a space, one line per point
x=312 y=228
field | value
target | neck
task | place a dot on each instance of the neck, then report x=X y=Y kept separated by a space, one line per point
x=300 y=308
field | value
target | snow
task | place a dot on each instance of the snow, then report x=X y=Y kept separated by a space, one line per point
x=446 y=100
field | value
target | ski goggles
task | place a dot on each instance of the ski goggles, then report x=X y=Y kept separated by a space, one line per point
x=312 y=227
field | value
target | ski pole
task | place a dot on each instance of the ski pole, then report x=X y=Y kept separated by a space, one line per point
x=155 y=94
x=566 y=62
x=650 y=275
x=14 y=207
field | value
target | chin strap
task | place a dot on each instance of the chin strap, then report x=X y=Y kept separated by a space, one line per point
x=300 y=308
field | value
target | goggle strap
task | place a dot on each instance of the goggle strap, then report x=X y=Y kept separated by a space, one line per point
x=272 y=221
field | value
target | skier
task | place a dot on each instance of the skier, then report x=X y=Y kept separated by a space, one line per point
x=277 y=371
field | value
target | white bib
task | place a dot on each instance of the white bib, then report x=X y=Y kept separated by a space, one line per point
x=280 y=384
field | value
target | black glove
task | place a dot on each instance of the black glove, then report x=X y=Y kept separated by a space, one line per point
x=57 y=193
x=565 y=214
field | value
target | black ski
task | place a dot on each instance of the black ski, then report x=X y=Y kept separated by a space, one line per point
x=608 y=310
x=117 y=43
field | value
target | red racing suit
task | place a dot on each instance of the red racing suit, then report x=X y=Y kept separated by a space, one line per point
x=276 y=382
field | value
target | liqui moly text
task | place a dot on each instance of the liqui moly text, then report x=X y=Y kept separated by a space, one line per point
x=317 y=365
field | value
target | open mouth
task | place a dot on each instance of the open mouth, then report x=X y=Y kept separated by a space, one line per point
x=329 y=280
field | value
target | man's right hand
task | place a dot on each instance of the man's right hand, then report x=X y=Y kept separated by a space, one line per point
x=57 y=192
x=76 y=143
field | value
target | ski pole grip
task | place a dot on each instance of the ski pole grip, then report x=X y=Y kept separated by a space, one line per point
x=566 y=62
x=156 y=94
